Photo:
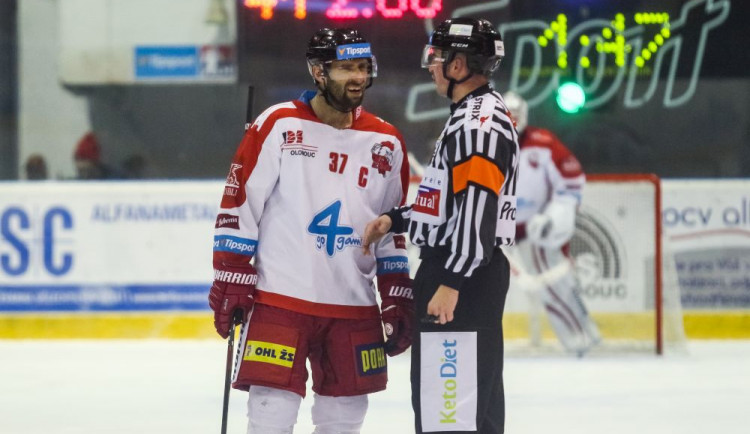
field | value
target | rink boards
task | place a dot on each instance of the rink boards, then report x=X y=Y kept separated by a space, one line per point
x=133 y=259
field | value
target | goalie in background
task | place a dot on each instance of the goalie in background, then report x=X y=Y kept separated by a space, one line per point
x=549 y=192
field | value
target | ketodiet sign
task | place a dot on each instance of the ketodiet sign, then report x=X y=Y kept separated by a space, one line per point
x=448 y=383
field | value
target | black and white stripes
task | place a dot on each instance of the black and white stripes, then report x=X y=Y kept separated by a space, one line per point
x=479 y=151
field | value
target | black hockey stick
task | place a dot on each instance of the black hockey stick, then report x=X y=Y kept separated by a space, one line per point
x=249 y=109
x=237 y=319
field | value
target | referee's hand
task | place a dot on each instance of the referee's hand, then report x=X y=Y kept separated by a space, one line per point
x=442 y=304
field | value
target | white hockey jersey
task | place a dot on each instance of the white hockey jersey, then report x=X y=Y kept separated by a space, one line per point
x=548 y=171
x=297 y=198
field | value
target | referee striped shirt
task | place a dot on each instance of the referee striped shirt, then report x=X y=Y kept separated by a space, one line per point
x=466 y=204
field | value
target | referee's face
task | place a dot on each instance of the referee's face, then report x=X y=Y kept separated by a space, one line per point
x=436 y=71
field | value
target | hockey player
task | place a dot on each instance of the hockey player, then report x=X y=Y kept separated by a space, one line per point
x=307 y=177
x=463 y=213
x=549 y=192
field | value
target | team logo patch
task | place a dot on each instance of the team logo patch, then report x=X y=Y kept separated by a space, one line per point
x=227 y=221
x=268 y=352
x=292 y=137
x=399 y=241
x=232 y=184
x=294 y=144
x=382 y=157
x=232 y=179
x=370 y=359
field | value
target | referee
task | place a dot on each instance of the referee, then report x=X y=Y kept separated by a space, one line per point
x=464 y=211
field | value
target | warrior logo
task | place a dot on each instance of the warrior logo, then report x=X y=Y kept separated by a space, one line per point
x=382 y=157
x=232 y=180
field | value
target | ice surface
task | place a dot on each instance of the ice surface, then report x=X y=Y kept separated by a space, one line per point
x=59 y=387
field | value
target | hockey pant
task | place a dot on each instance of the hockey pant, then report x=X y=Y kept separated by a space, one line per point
x=549 y=278
x=457 y=368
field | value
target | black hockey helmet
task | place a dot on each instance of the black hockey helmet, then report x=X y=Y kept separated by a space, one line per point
x=337 y=44
x=327 y=45
x=477 y=38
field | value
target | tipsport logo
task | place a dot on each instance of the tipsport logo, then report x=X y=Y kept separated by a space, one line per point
x=240 y=246
x=353 y=51
x=330 y=235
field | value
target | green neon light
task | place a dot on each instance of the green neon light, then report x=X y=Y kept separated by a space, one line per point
x=611 y=40
x=570 y=97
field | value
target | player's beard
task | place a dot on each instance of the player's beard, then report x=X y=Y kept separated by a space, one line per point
x=338 y=97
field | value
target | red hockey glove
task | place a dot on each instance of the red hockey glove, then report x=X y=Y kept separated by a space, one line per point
x=233 y=289
x=397 y=313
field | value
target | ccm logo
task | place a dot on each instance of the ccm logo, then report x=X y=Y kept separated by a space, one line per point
x=239 y=278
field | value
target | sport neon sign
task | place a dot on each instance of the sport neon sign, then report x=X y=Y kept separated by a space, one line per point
x=628 y=56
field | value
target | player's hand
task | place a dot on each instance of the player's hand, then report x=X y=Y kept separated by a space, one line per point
x=442 y=304
x=374 y=231
x=397 y=313
x=233 y=290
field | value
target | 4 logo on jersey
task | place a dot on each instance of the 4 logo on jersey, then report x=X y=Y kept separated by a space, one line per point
x=329 y=234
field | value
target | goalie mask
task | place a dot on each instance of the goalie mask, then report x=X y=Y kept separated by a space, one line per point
x=327 y=48
x=519 y=109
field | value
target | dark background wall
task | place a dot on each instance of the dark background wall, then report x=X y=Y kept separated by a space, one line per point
x=191 y=131
x=8 y=89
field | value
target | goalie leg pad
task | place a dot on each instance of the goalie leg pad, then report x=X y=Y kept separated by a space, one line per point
x=571 y=321
x=567 y=314
x=339 y=414
x=272 y=411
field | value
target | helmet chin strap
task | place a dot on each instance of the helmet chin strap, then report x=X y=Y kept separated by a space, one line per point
x=452 y=81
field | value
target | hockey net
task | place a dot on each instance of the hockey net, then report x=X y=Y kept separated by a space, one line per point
x=628 y=280
x=627 y=274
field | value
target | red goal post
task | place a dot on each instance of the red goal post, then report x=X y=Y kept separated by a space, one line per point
x=655 y=182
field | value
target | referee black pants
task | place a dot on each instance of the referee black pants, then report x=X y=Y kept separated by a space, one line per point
x=480 y=309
